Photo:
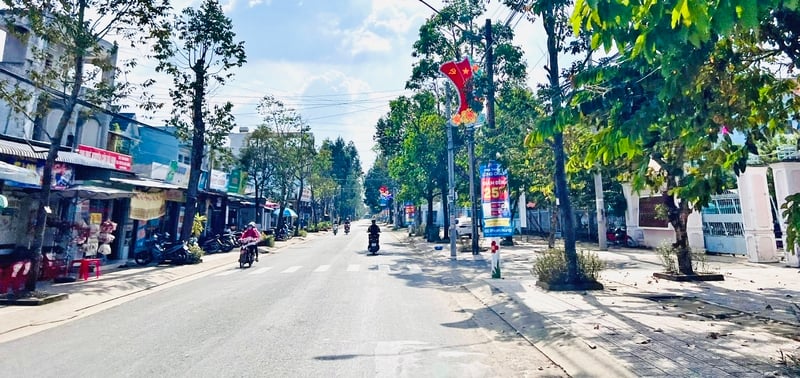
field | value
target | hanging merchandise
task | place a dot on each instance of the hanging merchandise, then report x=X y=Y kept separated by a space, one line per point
x=106 y=237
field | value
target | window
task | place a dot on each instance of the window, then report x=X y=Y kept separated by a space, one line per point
x=647 y=212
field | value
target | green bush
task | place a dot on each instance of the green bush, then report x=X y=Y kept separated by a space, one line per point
x=668 y=256
x=302 y=233
x=312 y=228
x=552 y=266
x=270 y=240
x=669 y=259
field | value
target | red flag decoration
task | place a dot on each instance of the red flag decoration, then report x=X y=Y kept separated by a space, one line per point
x=460 y=73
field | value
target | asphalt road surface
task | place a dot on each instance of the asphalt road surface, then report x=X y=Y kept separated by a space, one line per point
x=322 y=308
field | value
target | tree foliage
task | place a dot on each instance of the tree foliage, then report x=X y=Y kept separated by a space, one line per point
x=199 y=51
x=62 y=37
x=346 y=171
x=681 y=88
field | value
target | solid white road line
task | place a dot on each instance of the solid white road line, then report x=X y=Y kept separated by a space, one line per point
x=322 y=268
x=292 y=269
x=353 y=267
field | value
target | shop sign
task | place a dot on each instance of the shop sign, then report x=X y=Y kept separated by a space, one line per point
x=409 y=210
x=494 y=194
x=62 y=176
x=218 y=181
x=306 y=197
x=146 y=206
x=175 y=195
x=120 y=161
x=175 y=173
x=237 y=181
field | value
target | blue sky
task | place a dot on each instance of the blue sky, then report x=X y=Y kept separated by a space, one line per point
x=338 y=63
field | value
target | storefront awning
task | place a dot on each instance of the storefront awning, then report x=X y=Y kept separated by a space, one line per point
x=19 y=174
x=146 y=183
x=287 y=212
x=93 y=192
x=10 y=148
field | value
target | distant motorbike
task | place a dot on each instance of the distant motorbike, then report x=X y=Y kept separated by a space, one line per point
x=248 y=252
x=346 y=228
x=160 y=250
x=335 y=229
x=374 y=245
x=619 y=236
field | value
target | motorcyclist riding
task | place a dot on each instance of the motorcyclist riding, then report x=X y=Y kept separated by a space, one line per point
x=373 y=231
x=335 y=227
x=250 y=238
x=347 y=225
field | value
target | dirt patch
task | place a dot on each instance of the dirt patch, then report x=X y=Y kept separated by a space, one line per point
x=699 y=307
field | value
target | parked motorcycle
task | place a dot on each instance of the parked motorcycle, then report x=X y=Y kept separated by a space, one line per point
x=619 y=236
x=374 y=245
x=211 y=244
x=229 y=241
x=284 y=233
x=248 y=252
x=160 y=250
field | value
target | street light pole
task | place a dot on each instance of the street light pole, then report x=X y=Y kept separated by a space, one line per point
x=451 y=180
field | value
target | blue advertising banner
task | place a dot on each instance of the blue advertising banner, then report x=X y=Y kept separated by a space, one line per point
x=494 y=195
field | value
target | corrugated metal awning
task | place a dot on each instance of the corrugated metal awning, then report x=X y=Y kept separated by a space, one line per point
x=23 y=150
x=146 y=183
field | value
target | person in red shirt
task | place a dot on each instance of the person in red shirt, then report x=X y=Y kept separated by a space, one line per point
x=251 y=237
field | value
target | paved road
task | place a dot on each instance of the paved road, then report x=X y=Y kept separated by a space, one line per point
x=321 y=308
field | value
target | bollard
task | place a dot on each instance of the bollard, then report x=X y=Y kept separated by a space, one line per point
x=495 y=259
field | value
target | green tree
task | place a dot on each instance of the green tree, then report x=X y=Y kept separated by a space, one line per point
x=282 y=136
x=377 y=176
x=551 y=129
x=346 y=171
x=323 y=187
x=199 y=52
x=680 y=87
x=57 y=75
x=257 y=160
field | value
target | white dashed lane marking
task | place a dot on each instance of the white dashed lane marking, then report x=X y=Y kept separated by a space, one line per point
x=261 y=270
x=292 y=269
x=322 y=268
x=353 y=267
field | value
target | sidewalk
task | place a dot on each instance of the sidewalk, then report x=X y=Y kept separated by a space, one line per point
x=639 y=326
x=115 y=285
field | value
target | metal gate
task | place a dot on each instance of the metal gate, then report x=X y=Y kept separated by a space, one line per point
x=723 y=227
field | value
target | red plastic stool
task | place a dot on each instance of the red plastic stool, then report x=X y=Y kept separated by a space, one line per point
x=84 y=270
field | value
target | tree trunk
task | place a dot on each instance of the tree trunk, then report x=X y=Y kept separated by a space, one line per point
x=562 y=191
x=47 y=173
x=551 y=238
x=446 y=213
x=678 y=215
x=198 y=145
x=431 y=231
x=297 y=208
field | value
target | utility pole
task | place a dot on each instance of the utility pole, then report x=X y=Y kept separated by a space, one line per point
x=489 y=75
x=451 y=179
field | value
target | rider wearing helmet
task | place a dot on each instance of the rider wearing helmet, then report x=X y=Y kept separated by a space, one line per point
x=251 y=235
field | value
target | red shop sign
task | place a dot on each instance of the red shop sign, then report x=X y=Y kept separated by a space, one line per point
x=121 y=161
